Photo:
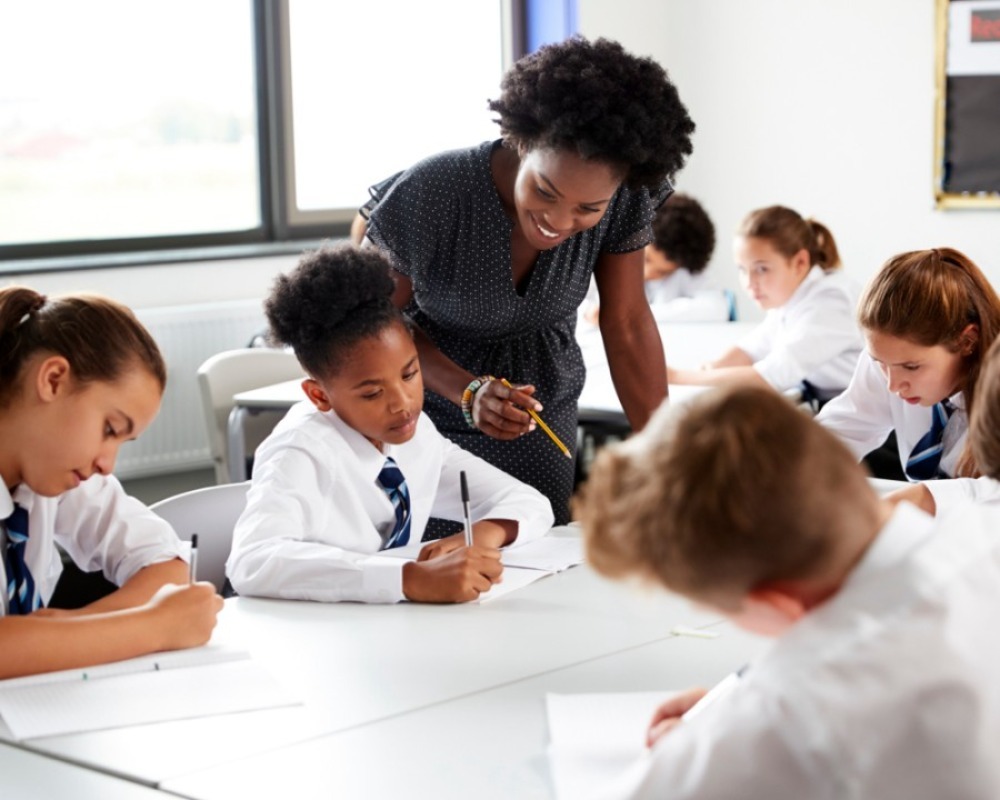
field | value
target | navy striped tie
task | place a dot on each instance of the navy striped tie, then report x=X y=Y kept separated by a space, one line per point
x=923 y=463
x=394 y=484
x=22 y=594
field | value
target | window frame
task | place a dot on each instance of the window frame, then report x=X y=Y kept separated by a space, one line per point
x=283 y=228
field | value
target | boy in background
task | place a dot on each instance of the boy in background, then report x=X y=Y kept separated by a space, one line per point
x=674 y=267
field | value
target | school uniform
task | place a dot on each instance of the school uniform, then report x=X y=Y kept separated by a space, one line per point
x=317 y=518
x=812 y=337
x=888 y=689
x=97 y=524
x=867 y=412
x=955 y=492
x=683 y=296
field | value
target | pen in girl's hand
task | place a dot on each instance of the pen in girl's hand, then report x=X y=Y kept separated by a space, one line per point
x=465 y=508
x=194 y=558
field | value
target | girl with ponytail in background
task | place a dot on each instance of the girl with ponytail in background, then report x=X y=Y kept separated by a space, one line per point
x=809 y=339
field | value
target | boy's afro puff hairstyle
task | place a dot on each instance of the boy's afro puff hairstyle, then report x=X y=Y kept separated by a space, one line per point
x=684 y=232
x=600 y=101
x=335 y=297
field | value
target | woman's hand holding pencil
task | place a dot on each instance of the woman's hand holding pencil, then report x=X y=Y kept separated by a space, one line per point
x=498 y=409
x=505 y=411
x=541 y=424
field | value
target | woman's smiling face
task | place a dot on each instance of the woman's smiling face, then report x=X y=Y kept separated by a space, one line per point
x=557 y=194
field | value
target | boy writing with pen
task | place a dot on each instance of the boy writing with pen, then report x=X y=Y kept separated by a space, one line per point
x=881 y=681
x=357 y=468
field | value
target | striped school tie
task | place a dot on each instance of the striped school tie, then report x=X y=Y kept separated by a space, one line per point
x=22 y=594
x=923 y=463
x=394 y=485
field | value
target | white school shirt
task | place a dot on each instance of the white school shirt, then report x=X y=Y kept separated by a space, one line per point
x=684 y=297
x=887 y=690
x=814 y=336
x=316 y=517
x=954 y=492
x=97 y=524
x=867 y=412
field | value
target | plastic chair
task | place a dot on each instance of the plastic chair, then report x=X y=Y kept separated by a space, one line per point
x=211 y=513
x=228 y=373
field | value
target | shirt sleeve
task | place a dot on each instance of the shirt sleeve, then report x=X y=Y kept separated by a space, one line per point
x=860 y=416
x=290 y=541
x=403 y=217
x=631 y=217
x=957 y=492
x=745 y=751
x=818 y=332
x=758 y=342
x=103 y=528
x=493 y=494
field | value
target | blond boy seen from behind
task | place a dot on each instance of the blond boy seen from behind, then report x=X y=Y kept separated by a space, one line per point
x=881 y=679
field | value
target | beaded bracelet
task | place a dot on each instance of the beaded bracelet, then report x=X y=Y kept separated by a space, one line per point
x=469 y=395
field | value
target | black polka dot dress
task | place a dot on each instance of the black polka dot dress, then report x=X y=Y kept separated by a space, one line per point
x=442 y=224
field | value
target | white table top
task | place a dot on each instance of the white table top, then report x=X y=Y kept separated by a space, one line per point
x=486 y=745
x=28 y=776
x=356 y=665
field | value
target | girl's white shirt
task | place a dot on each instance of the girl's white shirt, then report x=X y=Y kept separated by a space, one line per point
x=814 y=336
x=98 y=525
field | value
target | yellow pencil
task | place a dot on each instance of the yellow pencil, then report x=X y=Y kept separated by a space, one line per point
x=542 y=425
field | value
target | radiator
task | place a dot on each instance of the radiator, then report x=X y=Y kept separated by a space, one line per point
x=177 y=439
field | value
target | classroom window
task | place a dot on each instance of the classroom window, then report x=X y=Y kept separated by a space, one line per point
x=125 y=120
x=369 y=98
x=157 y=129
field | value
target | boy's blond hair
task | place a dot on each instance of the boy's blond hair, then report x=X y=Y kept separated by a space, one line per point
x=984 y=422
x=732 y=491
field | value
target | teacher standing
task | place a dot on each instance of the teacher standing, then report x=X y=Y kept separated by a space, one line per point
x=493 y=248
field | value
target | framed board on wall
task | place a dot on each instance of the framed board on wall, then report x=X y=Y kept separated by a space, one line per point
x=967 y=118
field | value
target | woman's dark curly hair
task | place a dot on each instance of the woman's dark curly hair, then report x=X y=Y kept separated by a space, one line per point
x=333 y=299
x=601 y=101
x=684 y=232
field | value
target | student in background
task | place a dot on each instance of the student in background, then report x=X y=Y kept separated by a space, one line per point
x=928 y=317
x=881 y=679
x=809 y=338
x=674 y=266
x=78 y=376
x=357 y=468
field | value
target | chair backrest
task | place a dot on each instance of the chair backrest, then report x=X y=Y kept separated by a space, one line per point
x=731 y=300
x=228 y=373
x=211 y=513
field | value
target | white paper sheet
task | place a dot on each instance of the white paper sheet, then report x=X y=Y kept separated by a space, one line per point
x=514 y=578
x=596 y=739
x=550 y=553
x=138 y=691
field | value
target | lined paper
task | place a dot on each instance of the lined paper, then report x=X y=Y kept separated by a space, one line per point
x=550 y=553
x=149 y=689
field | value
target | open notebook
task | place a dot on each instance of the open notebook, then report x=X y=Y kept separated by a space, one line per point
x=522 y=563
x=181 y=684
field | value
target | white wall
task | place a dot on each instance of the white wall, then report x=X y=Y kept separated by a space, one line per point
x=167 y=284
x=826 y=106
